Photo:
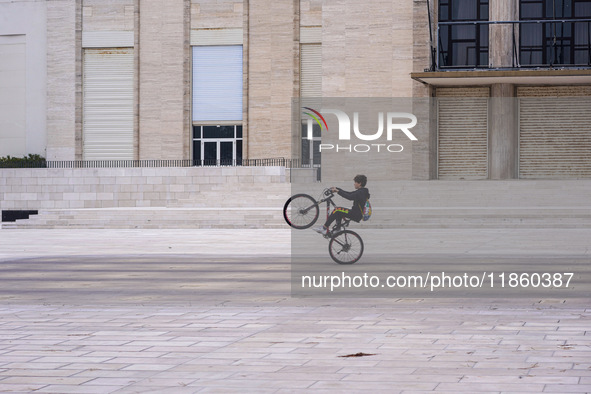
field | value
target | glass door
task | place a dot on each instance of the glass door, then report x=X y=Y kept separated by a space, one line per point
x=210 y=153
x=226 y=149
x=217 y=145
x=311 y=155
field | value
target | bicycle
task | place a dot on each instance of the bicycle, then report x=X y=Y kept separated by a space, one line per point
x=301 y=211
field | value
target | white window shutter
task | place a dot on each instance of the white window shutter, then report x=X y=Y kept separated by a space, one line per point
x=217 y=83
x=108 y=104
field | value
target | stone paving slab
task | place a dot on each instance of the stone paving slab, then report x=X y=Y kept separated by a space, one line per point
x=81 y=312
x=258 y=358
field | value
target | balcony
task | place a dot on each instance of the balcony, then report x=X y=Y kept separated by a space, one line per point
x=546 y=44
x=549 y=52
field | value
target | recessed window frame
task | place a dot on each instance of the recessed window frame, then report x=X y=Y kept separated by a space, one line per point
x=555 y=33
x=455 y=31
x=205 y=134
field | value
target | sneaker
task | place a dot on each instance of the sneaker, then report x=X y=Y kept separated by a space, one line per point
x=321 y=230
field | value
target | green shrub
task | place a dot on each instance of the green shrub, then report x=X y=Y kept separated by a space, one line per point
x=30 y=161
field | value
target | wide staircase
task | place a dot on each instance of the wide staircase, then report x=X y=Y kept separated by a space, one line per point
x=224 y=206
x=397 y=204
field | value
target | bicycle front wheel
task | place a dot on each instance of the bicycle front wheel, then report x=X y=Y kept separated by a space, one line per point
x=301 y=211
x=346 y=247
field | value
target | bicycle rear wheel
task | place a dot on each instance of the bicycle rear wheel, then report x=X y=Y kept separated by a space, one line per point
x=346 y=247
x=301 y=211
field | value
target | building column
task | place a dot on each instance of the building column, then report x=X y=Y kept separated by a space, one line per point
x=501 y=35
x=163 y=79
x=61 y=79
x=272 y=49
x=503 y=133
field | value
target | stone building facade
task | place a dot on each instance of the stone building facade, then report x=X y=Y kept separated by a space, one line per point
x=124 y=79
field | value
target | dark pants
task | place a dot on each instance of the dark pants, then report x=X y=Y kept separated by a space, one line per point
x=337 y=214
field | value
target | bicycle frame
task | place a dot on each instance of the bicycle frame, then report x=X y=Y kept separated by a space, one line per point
x=329 y=203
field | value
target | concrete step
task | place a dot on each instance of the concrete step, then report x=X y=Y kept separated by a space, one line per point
x=236 y=196
x=272 y=217
x=154 y=218
x=251 y=199
x=245 y=187
x=396 y=204
x=480 y=217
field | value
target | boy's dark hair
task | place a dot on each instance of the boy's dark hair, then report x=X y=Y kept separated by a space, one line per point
x=361 y=179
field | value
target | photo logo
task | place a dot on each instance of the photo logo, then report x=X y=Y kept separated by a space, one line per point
x=393 y=123
x=315 y=117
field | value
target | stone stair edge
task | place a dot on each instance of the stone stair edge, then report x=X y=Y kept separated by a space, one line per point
x=273 y=208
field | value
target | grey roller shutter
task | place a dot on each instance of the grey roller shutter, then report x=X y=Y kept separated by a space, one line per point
x=217 y=83
x=462 y=133
x=554 y=132
x=311 y=70
x=108 y=104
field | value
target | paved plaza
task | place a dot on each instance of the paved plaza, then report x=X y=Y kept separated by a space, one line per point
x=199 y=311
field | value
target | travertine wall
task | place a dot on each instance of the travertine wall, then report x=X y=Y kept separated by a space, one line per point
x=105 y=15
x=311 y=12
x=367 y=48
x=273 y=59
x=164 y=80
x=61 y=79
x=217 y=14
x=121 y=187
x=367 y=51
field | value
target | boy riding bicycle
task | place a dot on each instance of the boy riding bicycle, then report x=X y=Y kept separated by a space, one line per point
x=359 y=196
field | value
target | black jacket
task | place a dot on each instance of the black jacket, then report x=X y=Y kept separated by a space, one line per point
x=359 y=197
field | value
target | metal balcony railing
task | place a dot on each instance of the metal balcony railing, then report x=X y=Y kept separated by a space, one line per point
x=281 y=162
x=534 y=44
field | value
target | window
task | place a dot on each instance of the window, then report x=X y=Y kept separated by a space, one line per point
x=217 y=145
x=311 y=70
x=311 y=147
x=217 y=83
x=562 y=38
x=462 y=44
x=108 y=104
x=217 y=97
